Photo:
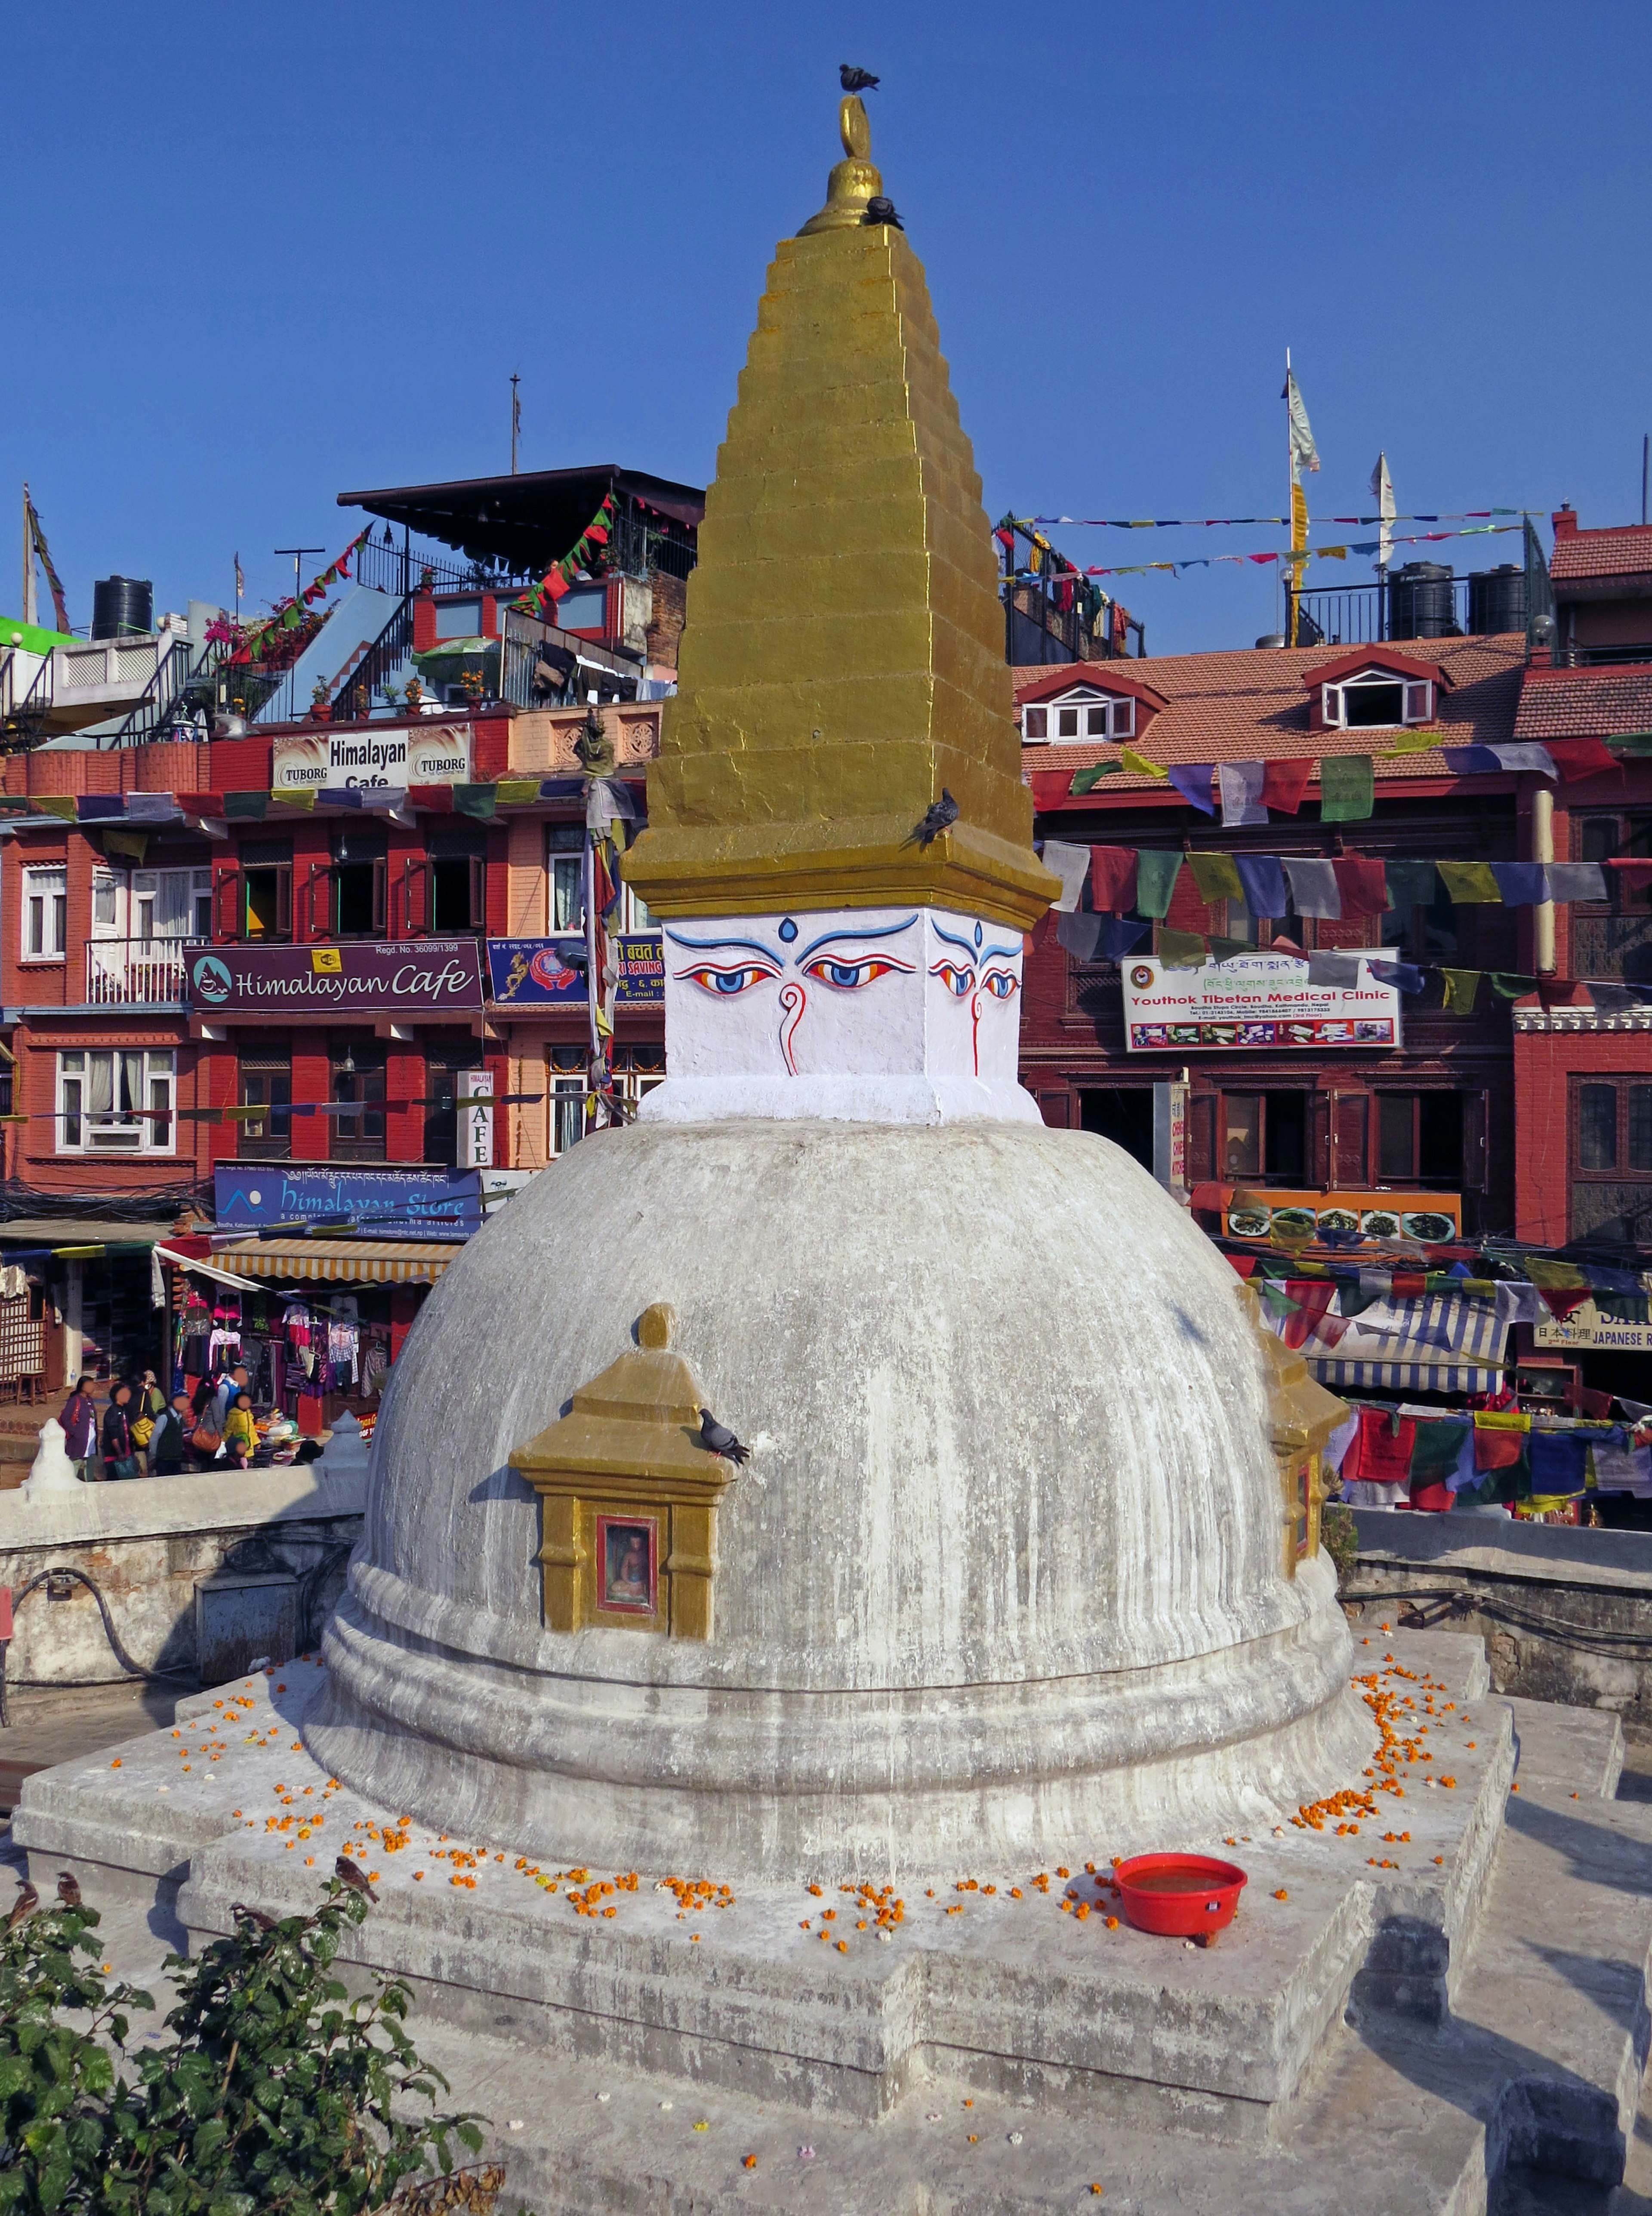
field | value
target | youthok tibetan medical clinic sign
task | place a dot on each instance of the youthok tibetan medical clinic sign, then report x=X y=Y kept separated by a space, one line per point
x=360 y=755
x=541 y=972
x=419 y=977
x=1254 y=1000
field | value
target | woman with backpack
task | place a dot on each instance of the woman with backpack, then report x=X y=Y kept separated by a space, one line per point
x=120 y=1455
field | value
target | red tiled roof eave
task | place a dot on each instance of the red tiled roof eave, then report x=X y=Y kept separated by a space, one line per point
x=1585 y=703
x=1617 y=550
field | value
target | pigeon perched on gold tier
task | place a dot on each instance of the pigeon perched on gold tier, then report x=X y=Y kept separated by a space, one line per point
x=717 y=1438
x=941 y=815
x=856 y=80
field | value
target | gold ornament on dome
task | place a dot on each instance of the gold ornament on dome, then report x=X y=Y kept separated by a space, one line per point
x=842 y=660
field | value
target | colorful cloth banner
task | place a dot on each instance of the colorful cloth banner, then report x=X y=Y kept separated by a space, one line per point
x=1263 y=881
x=1470 y=883
x=1313 y=887
x=1156 y=880
x=1113 y=878
x=1216 y=876
x=1192 y=781
x=1361 y=884
x=1284 y=783
x=1241 y=784
x=1347 y=788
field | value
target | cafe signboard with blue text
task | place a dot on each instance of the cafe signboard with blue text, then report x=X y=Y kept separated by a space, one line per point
x=418 y=977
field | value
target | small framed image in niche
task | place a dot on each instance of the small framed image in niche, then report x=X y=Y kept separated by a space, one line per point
x=628 y=1565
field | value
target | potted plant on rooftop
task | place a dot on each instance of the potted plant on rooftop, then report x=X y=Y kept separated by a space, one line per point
x=321 y=706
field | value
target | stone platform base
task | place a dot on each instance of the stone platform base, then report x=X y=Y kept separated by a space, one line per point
x=1381 y=2038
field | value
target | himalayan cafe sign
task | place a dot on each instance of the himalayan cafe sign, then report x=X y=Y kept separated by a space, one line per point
x=1258 y=1000
x=424 y=977
x=366 y=754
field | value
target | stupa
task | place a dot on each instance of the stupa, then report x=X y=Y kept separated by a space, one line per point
x=1026 y=1549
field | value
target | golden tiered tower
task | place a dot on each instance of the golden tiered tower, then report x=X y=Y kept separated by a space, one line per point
x=842 y=660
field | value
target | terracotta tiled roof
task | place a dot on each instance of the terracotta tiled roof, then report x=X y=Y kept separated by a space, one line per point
x=1251 y=704
x=1625 y=551
x=1585 y=703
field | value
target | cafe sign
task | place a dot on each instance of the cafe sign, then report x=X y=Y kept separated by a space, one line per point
x=419 y=977
x=1587 y=1329
x=366 y=754
x=1253 y=1002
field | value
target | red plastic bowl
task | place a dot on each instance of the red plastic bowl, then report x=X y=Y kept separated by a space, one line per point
x=1186 y=1893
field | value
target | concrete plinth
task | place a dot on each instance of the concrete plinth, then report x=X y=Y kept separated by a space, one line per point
x=1491 y=2044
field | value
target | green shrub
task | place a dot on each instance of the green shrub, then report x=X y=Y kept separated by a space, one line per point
x=1339 y=1536
x=276 y=2094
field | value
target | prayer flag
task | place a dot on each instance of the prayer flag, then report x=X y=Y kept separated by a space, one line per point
x=1526 y=756
x=1241 y=784
x=1263 y=881
x=1192 y=781
x=514 y=792
x=1405 y=976
x=1113 y=878
x=1581 y=758
x=1050 y=788
x=1181 y=950
x=250 y=806
x=1071 y=864
x=1461 y=987
x=1120 y=934
x=1335 y=968
x=1362 y=884
x=1086 y=780
x=1139 y=765
x=1225 y=949
x=477 y=800
x=134 y=845
x=1575 y=881
x=1410 y=884
x=1215 y=878
x=1633 y=876
x=1509 y=985
x=61 y=804
x=1156 y=880
x=1471 y=761
x=1080 y=932
x=1383 y=486
x=152 y=807
x=1347 y=792
x=300 y=795
x=1519 y=883
x=1284 y=783
x=1412 y=742
x=91 y=807
x=1313 y=887
x=1469 y=882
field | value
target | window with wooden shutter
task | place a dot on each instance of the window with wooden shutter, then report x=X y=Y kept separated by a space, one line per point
x=1350 y=1129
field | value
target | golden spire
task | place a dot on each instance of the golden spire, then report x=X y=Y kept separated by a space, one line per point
x=843 y=656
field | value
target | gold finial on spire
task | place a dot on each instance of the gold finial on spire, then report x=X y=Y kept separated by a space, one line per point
x=854 y=182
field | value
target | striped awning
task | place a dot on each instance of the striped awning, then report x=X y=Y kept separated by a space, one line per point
x=338 y=1261
x=1443 y=1343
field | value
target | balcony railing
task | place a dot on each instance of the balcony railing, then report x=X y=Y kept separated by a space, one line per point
x=135 y=973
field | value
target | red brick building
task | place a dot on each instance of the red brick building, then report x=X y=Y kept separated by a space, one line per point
x=132 y=1087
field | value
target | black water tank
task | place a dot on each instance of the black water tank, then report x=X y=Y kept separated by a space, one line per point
x=122 y=606
x=1420 y=602
x=1497 y=598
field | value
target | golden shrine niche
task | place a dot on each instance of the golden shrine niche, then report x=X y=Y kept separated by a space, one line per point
x=1303 y=1417
x=628 y=1497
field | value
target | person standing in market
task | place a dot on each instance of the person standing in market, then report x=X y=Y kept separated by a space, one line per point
x=78 y=1416
x=168 y=1446
x=228 y=1387
x=120 y=1455
x=240 y=1434
x=148 y=1406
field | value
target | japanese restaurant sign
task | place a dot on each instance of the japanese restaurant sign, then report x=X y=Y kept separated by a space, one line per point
x=1253 y=1002
x=361 y=755
x=1586 y=1327
x=418 y=976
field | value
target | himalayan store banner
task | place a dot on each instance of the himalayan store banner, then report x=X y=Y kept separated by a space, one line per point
x=551 y=972
x=360 y=756
x=1250 y=1001
x=420 y=976
x=423 y=1204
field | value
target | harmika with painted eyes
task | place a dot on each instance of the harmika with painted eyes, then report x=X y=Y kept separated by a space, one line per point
x=857 y=984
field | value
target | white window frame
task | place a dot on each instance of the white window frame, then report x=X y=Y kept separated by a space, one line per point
x=1093 y=715
x=47 y=884
x=197 y=914
x=572 y=859
x=564 y=1089
x=1416 y=700
x=81 y=1130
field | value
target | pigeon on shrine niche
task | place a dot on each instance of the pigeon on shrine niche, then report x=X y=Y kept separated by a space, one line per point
x=879 y=210
x=717 y=1438
x=856 y=80
x=942 y=813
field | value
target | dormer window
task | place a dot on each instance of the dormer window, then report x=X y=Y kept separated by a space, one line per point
x=1377 y=699
x=1086 y=715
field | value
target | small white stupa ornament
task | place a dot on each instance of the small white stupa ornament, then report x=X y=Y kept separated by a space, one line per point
x=51 y=1471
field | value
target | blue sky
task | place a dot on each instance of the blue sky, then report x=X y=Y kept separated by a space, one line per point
x=258 y=255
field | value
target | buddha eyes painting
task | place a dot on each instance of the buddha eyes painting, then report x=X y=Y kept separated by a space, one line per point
x=629 y=1563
